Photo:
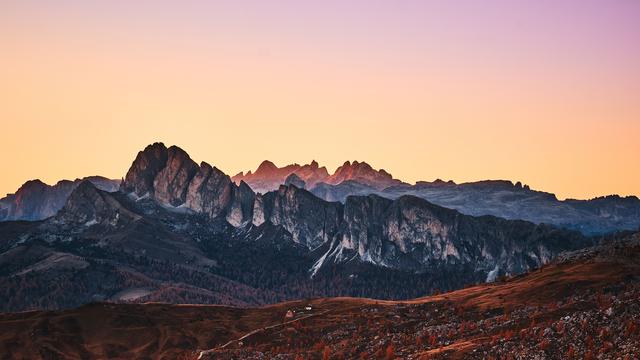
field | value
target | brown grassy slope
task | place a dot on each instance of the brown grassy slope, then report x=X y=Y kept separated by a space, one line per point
x=449 y=325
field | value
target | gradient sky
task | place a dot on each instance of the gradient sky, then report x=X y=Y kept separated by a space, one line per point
x=542 y=91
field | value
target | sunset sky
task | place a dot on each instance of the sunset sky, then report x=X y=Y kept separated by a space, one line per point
x=546 y=92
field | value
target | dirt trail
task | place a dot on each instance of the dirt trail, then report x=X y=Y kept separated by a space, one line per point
x=256 y=331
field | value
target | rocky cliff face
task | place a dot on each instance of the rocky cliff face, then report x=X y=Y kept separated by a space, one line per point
x=90 y=206
x=36 y=200
x=210 y=191
x=507 y=200
x=148 y=163
x=408 y=233
x=241 y=209
x=310 y=220
x=170 y=177
x=411 y=233
x=171 y=184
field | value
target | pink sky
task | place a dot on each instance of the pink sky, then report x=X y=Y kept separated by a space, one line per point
x=545 y=92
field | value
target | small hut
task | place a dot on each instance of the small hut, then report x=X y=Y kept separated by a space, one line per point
x=289 y=315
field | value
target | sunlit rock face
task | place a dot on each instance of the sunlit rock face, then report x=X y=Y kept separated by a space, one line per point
x=172 y=182
x=179 y=182
x=142 y=173
x=161 y=174
x=210 y=191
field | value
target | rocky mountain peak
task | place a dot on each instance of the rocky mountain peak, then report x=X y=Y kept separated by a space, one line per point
x=172 y=178
x=210 y=191
x=266 y=167
x=35 y=200
x=89 y=206
x=142 y=173
x=171 y=183
x=269 y=177
x=30 y=189
x=30 y=185
x=363 y=173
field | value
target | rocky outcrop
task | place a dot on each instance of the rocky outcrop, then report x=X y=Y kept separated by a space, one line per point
x=363 y=228
x=310 y=220
x=242 y=204
x=36 y=200
x=171 y=184
x=412 y=233
x=142 y=173
x=177 y=181
x=210 y=191
x=89 y=206
x=161 y=173
x=294 y=180
x=405 y=233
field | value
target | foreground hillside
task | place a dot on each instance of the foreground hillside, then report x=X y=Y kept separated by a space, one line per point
x=585 y=305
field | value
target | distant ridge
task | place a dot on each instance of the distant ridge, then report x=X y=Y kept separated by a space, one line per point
x=35 y=200
x=502 y=198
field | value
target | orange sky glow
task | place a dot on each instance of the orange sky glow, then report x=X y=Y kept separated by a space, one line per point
x=548 y=97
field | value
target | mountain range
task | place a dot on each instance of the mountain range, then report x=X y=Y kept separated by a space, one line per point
x=178 y=231
x=269 y=177
x=37 y=201
x=500 y=198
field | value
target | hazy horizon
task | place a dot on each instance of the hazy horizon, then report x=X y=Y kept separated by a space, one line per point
x=331 y=170
x=542 y=92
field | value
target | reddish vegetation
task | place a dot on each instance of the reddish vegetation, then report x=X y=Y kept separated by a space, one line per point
x=584 y=309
